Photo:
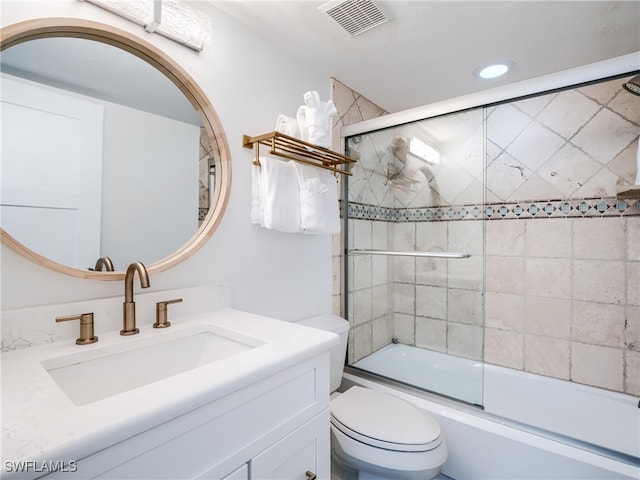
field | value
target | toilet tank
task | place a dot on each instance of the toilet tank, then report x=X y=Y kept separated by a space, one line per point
x=335 y=324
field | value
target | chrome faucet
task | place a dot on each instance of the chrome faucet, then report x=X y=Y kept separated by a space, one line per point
x=129 y=306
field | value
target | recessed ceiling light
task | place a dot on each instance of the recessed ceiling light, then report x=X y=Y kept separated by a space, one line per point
x=493 y=71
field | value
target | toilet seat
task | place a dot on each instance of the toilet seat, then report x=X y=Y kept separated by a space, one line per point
x=384 y=421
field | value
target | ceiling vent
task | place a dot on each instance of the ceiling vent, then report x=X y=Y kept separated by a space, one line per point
x=355 y=16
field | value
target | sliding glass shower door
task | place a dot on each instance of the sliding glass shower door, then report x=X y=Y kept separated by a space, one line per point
x=415 y=263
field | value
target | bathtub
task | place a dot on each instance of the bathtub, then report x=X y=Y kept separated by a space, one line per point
x=530 y=426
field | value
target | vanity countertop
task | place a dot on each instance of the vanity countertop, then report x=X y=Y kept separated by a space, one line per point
x=41 y=424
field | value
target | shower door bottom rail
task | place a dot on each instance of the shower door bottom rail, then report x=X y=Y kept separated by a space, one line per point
x=358 y=251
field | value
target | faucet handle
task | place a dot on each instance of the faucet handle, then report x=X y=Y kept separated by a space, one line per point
x=161 y=313
x=86 y=327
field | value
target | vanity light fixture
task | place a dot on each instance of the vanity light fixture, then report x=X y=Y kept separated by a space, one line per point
x=494 y=70
x=173 y=19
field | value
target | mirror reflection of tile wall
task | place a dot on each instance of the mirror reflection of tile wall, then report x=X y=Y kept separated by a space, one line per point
x=562 y=291
x=206 y=175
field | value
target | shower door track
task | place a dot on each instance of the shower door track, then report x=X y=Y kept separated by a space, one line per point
x=410 y=253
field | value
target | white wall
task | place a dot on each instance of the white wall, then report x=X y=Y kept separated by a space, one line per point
x=249 y=82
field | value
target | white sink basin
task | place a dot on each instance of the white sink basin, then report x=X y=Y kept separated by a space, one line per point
x=86 y=377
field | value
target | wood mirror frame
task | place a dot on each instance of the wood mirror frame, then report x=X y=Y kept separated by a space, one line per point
x=77 y=28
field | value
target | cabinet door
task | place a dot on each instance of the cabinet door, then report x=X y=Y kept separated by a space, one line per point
x=306 y=449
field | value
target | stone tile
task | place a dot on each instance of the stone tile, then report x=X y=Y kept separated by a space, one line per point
x=336 y=245
x=547 y=277
x=431 y=302
x=336 y=305
x=602 y=184
x=336 y=278
x=535 y=188
x=568 y=112
x=361 y=307
x=431 y=333
x=361 y=271
x=632 y=331
x=505 y=238
x=379 y=270
x=471 y=195
x=534 y=105
x=632 y=373
x=431 y=236
x=361 y=234
x=431 y=271
x=505 y=275
x=379 y=301
x=368 y=109
x=381 y=333
x=599 y=281
x=466 y=272
x=549 y=237
x=466 y=237
x=505 y=311
x=404 y=298
x=503 y=347
x=546 y=356
x=379 y=235
x=469 y=152
x=568 y=169
x=625 y=104
x=360 y=342
x=598 y=324
x=404 y=269
x=464 y=306
x=603 y=238
x=605 y=135
x=404 y=328
x=465 y=340
x=505 y=175
x=451 y=181
x=602 y=92
x=535 y=145
x=505 y=123
x=598 y=366
x=550 y=317
x=404 y=236
x=633 y=283
x=624 y=164
x=633 y=238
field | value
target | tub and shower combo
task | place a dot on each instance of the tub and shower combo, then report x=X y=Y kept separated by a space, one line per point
x=470 y=249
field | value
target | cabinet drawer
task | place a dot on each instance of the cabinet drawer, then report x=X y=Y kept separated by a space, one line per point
x=307 y=449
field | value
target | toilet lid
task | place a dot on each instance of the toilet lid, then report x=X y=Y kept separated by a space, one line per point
x=383 y=420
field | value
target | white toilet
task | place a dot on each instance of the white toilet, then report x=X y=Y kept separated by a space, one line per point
x=375 y=435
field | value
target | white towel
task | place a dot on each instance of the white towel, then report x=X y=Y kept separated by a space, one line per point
x=288 y=126
x=279 y=195
x=257 y=212
x=319 y=210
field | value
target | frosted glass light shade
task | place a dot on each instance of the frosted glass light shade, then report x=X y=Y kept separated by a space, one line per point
x=175 y=19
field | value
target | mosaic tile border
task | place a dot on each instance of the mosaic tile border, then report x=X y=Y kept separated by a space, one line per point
x=536 y=209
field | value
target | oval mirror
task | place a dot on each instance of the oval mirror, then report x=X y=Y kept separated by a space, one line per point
x=109 y=149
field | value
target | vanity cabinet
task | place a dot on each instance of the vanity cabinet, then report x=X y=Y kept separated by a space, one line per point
x=277 y=427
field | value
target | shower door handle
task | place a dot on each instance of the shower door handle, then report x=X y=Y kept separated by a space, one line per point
x=310 y=475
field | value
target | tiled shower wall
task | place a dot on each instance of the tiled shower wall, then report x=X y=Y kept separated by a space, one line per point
x=562 y=264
